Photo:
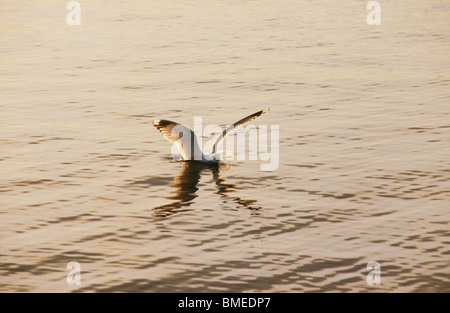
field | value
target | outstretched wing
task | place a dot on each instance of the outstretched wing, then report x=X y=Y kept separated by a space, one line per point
x=235 y=126
x=184 y=138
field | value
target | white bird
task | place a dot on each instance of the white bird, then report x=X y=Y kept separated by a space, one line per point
x=186 y=140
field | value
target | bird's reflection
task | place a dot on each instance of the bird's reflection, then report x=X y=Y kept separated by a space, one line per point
x=185 y=188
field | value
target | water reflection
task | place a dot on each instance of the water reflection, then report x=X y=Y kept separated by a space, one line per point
x=224 y=189
x=185 y=189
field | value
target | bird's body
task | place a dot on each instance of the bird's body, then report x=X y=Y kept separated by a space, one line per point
x=186 y=141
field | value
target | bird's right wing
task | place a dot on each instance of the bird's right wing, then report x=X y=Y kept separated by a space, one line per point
x=235 y=126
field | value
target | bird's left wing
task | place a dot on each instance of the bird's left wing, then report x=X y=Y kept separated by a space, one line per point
x=182 y=136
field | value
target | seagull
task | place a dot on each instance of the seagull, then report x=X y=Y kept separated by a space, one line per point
x=186 y=141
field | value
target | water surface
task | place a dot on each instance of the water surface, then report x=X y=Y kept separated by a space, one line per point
x=364 y=144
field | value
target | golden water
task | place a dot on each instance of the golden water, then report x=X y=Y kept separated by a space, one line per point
x=364 y=146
